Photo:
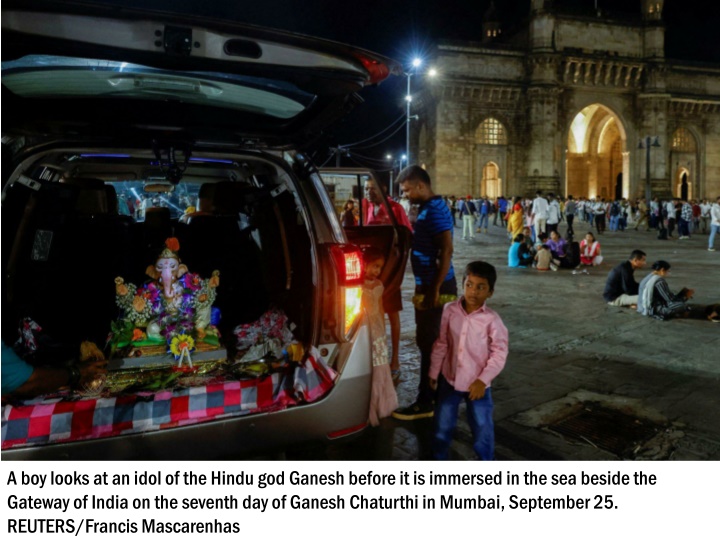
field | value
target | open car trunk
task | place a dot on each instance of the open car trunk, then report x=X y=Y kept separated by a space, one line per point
x=105 y=106
x=69 y=234
x=70 y=242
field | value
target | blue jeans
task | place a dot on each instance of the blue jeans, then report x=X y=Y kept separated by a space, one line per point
x=714 y=229
x=614 y=221
x=482 y=219
x=683 y=227
x=479 y=416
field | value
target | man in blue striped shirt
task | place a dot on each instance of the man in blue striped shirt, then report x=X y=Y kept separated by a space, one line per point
x=431 y=259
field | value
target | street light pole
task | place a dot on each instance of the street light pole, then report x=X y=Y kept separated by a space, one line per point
x=416 y=63
x=648 y=189
x=408 y=99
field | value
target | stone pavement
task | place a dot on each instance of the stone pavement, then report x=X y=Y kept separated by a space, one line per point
x=569 y=352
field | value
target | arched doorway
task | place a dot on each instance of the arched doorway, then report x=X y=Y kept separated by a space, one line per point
x=683 y=186
x=618 y=186
x=490 y=185
x=491 y=142
x=597 y=160
x=684 y=156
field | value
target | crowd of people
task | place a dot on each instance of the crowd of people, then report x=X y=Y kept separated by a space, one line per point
x=545 y=213
x=463 y=344
x=454 y=365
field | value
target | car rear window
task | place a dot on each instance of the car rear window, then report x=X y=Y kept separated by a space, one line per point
x=46 y=76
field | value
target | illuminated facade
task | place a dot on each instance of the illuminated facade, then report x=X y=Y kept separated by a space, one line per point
x=561 y=107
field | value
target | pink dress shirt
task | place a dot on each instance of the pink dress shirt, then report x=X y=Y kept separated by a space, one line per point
x=470 y=347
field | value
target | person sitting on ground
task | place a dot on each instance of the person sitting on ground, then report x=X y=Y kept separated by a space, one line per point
x=518 y=255
x=558 y=246
x=540 y=241
x=529 y=244
x=655 y=298
x=590 y=251
x=543 y=258
x=621 y=289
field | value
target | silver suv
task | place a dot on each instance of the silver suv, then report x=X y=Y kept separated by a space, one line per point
x=102 y=108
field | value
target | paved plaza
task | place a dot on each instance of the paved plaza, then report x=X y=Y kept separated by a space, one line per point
x=569 y=351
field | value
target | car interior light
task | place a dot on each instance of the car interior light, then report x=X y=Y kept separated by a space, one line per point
x=211 y=160
x=121 y=156
x=243 y=47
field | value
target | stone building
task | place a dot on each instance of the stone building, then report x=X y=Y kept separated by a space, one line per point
x=564 y=105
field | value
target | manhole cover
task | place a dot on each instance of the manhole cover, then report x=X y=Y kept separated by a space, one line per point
x=606 y=428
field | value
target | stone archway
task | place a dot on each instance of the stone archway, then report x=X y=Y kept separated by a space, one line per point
x=491 y=144
x=684 y=158
x=597 y=157
x=683 y=184
x=491 y=183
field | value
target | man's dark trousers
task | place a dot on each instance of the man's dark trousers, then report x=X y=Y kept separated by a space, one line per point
x=427 y=323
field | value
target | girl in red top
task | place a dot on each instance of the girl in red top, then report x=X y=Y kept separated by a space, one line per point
x=590 y=251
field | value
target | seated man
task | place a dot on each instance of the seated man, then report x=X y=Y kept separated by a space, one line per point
x=621 y=289
x=655 y=298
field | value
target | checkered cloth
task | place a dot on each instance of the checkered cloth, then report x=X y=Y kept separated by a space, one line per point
x=42 y=421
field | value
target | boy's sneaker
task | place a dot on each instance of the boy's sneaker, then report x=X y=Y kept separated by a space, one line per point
x=414 y=412
x=711 y=249
x=553 y=267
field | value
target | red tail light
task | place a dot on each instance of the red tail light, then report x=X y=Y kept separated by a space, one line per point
x=377 y=70
x=349 y=264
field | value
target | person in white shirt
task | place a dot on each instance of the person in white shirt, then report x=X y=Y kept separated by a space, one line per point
x=671 y=216
x=714 y=224
x=554 y=214
x=539 y=212
x=599 y=211
x=581 y=209
x=705 y=207
x=468 y=211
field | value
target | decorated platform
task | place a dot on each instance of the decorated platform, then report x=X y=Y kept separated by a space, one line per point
x=69 y=416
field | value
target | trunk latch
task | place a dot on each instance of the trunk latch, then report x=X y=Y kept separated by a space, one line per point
x=178 y=41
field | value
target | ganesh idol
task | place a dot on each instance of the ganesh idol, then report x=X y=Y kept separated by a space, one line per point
x=174 y=307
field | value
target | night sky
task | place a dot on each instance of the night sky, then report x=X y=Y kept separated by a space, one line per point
x=403 y=29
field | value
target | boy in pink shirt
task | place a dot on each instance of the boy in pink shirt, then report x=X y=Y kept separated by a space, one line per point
x=470 y=352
